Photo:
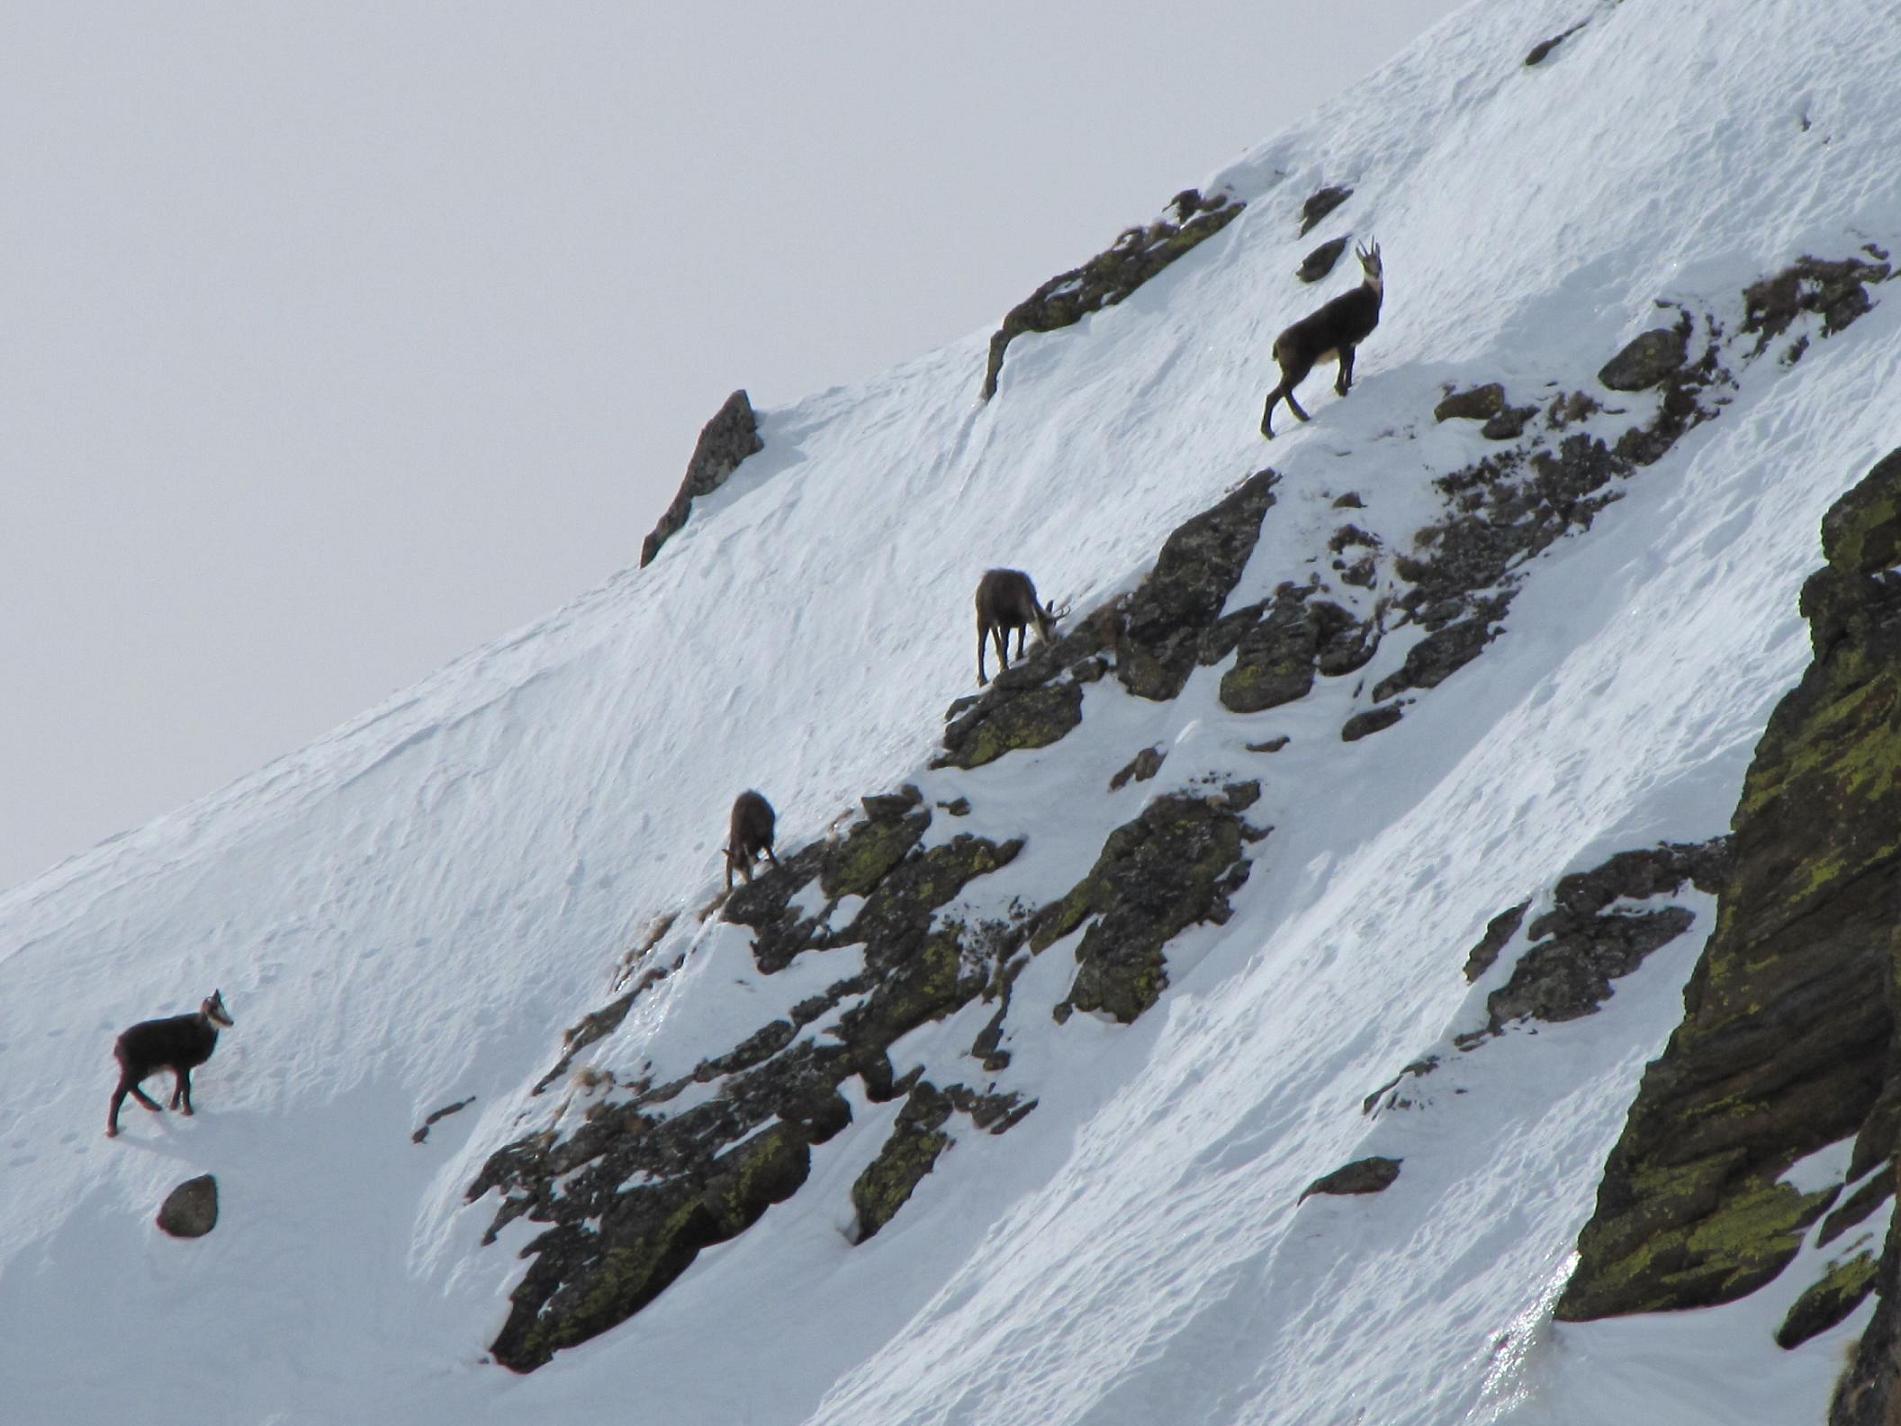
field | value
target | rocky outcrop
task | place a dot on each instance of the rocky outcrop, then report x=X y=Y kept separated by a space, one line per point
x=1173 y=866
x=1593 y=934
x=1136 y=256
x=1836 y=291
x=1151 y=639
x=1787 y=1042
x=191 y=1209
x=725 y=441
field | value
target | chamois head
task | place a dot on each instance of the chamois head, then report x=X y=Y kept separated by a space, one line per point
x=212 y=1008
x=1370 y=264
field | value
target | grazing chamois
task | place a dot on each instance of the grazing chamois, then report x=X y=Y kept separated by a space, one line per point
x=751 y=835
x=1006 y=600
x=1333 y=331
x=177 y=1043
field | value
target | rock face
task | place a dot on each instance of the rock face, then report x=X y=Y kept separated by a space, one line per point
x=725 y=441
x=1111 y=275
x=1318 y=263
x=1646 y=361
x=191 y=1209
x=1787 y=1042
x=1322 y=202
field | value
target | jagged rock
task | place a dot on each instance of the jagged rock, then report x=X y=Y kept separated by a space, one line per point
x=1476 y=403
x=1318 y=263
x=1645 y=361
x=1323 y=202
x=1587 y=939
x=1866 y=1393
x=1374 y=1175
x=1173 y=866
x=1437 y=657
x=1165 y=620
x=1837 y=291
x=1498 y=931
x=892 y=826
x=191 y=1209
x=1143 y=766
x=1843 y=1288
x=1788 y=1036
x=1136 y=256
x=725 y=441
x=1272 y=745
x=1858 y=1208
x=911 y=1152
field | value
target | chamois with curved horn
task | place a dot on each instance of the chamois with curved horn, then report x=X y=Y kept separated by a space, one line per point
x=1006 y=601
x=750 y=836
x=1331 y=332
x=178 y=1043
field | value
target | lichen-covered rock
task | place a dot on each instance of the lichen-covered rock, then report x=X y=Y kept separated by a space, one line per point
x=1372 y=1175
x=191 y=1209
x=1843 y=1288
x=908 y=1155
x=1645 y=361
x=1787 y=1039
x=1867 y=1391
x=875 y=845
x=725 y=441
x=1135 y=257
x=1164 y=622
x=1174 y=865
x=1011 y=719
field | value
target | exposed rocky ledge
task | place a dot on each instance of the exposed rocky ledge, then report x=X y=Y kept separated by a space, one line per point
x=725 y=441
x=1787 y=1043
x=1111 y=275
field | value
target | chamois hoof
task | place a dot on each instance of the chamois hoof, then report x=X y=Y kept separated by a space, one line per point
x=111 y=1133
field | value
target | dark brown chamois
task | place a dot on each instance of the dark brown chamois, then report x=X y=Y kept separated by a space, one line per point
x=1006 y=600
x=177 y=1043
x=750 y=836
x=1332 y=331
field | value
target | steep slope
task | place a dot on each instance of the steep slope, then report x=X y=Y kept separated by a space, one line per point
x=412 y=912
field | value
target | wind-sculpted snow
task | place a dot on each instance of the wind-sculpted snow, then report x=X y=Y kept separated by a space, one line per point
x=414 y=910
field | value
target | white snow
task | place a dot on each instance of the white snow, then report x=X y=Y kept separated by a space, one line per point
x=412 y=910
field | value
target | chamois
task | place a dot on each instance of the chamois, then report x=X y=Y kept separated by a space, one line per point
x=1006 y=600
x=1333 y=331
x=751 y=835
x=177 y=1043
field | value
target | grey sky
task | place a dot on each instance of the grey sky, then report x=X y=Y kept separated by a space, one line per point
x=337 y=339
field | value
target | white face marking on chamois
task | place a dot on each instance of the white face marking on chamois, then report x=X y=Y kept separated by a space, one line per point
x=214 y=1009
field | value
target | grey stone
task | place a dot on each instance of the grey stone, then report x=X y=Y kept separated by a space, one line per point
x=725 y=441
x=191 y=1209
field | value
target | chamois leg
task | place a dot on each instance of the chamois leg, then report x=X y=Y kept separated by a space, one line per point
x=1002 y=637
x=181 y=1091
x=1267 y=412
x=1345 y=378
x=769 y=856
x=1023 y=637
x=982 y=633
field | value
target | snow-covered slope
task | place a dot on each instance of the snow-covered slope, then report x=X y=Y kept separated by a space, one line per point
x=410 y=912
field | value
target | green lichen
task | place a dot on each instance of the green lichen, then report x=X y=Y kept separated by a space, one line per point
x=889 y=1180
x=1840 y=1291
x=868 y=852
x=1032 y=718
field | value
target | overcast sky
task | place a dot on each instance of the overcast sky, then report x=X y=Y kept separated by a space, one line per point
x=337 y=339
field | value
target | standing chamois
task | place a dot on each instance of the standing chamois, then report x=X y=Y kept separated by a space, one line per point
x=177 y=1043
x=751 y=834
x=1333 y=331
x=1006 y=600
